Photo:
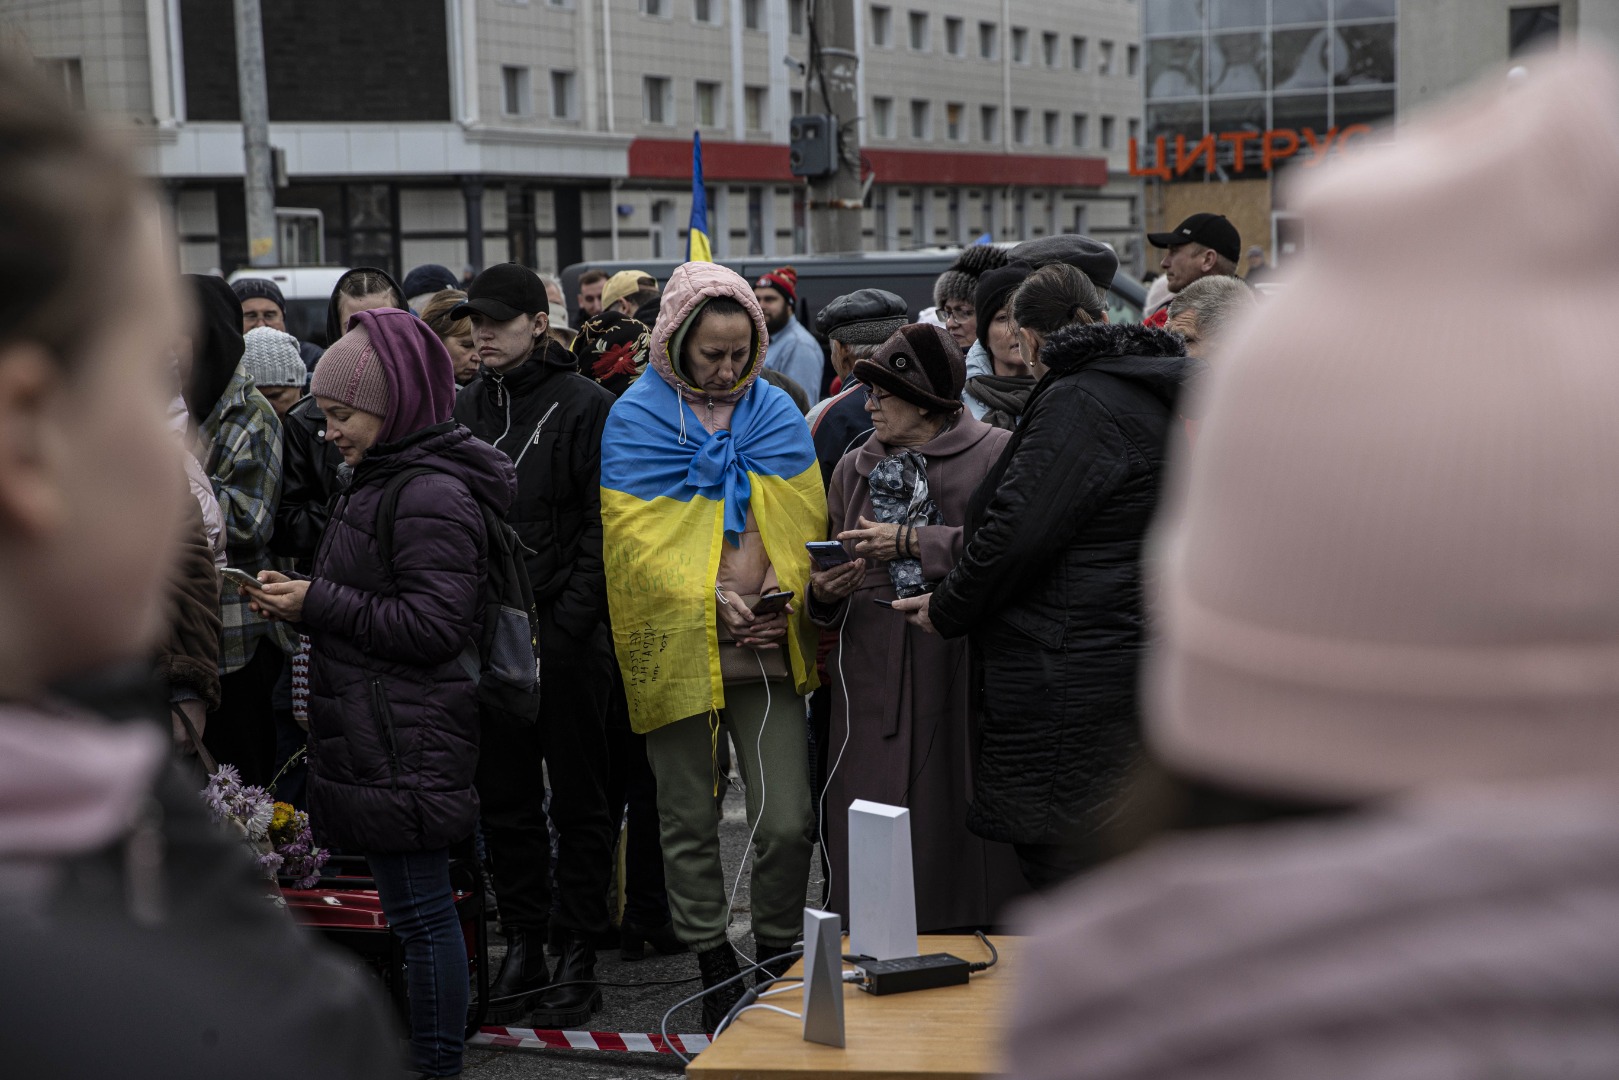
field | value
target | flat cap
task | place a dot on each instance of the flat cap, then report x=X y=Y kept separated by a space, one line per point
x=1090 y=257
x=863 y=317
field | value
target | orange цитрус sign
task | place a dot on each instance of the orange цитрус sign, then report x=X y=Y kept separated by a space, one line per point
x=1274 y=146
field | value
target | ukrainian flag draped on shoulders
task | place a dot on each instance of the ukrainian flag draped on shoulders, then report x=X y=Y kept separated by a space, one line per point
x=673 y=493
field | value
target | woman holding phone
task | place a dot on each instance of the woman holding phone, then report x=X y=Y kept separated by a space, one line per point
x=902 y=712
x=393 y=724
x=710 y=490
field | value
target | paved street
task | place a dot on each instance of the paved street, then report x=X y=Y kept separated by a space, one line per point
x=640 y=1009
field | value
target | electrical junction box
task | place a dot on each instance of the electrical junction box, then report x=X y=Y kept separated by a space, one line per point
x=813 y=146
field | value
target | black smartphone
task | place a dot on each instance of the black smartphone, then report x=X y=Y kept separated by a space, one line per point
x=881 y=602
x=828 y=553
x=770 y=603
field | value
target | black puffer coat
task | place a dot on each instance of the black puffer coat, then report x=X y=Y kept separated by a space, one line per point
x=558 y=508
x=308 y=483
x=393 y=722
x=1050 y=583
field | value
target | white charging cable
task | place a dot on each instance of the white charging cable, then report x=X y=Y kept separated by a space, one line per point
x=747 y=852
x=848 y=726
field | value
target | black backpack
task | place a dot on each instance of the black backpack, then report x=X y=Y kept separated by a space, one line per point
x=505 y=661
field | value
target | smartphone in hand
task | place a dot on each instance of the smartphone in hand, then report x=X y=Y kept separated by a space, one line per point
x=241 y=578
x=826 y=554
x=771 y=603
x=880 y=602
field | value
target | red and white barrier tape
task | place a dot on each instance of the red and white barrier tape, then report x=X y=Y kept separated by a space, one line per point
x=513 y=1038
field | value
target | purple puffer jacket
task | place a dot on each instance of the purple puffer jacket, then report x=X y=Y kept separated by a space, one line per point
x=393 y=725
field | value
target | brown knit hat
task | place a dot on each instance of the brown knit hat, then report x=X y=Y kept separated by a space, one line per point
x=921 y=364
x=351 y=372
x=1392 y=559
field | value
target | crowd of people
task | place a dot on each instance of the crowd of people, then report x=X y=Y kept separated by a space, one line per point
x=912 y=566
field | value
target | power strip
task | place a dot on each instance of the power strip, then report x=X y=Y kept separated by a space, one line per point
x=911 y=973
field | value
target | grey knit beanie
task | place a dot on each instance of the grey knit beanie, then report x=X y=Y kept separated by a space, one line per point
x=271 y=358
x=958 y=282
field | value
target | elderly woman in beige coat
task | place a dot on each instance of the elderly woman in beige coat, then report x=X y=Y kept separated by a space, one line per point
x=902 y=714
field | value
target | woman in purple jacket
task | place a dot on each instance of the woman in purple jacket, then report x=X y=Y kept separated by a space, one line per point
x=393 y=739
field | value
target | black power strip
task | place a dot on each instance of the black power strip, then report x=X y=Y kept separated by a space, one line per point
x=912 y=973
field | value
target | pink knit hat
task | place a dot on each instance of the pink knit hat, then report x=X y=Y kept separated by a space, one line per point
x=351 y=372
x=1393 y=556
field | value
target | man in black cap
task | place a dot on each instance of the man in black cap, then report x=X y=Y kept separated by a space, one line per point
x=857 y=324
x=1200 y=246
x=530 y=402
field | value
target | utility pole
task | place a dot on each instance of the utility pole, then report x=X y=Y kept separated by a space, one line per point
x=258 y=180
x=835 y=200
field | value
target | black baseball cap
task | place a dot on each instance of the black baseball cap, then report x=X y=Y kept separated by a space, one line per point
x=503 y=292
x=1210 y=230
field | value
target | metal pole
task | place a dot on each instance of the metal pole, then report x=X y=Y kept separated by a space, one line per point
x=257 y=179
x=835 y=201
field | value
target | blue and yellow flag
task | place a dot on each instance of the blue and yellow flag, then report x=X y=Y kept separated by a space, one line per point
x=697 y=246
x=670 y=493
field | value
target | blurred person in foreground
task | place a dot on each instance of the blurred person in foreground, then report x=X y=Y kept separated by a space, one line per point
x=903 y=724
x=1389 y=617
x=123 y=902
x=710 y=491
x=1202 y=313
x=393 y=720
x=1049 y=583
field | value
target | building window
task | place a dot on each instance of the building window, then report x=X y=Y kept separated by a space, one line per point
x=1104 y=66
x=954 y=37
x=1076 y=52
x=1134 y=128
x=1132 y=60
x=953 y=121
x=657 y=105
x=68 y=74
x=756 y=104
x=882 y=27
x=563 y=103
x=989 y=123
x=1020 y=45
x=795 y=17
x=1107 y=132
x=1051 y=122
x=1082 y=130
x=921 y=120
x=1531 y=27
x=706 y=11
x=656 y=8
x=882 y=117
x=989 y=40
x=708 y=104
x=516 y=97
x=795 y=102
x=919 y=31
x=1020 y=126
x=1048 y=49
x=752 y=15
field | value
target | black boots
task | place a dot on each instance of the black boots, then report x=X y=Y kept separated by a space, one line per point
x=633 y=940
x=572 y=1002
x=717 y=965
x=522 y=976
x=766 y=957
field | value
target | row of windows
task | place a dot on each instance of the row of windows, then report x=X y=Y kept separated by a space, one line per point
x=960 y=125
x=712 y=12
x=1178 y=16
x=657 y=99
x=517 y=93
x=919 y=38
x=1246 y=62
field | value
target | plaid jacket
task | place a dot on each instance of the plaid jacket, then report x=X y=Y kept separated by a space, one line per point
x=243 y=437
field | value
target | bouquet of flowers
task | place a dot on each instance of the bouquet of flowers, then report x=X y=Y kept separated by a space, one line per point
x=278 y=835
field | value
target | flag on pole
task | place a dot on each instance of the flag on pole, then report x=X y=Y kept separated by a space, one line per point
x=697 y=246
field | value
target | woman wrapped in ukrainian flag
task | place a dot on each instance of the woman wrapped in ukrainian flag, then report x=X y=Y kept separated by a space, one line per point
x=710 y=490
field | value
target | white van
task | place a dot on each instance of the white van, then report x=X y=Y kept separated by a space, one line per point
x=307 y=290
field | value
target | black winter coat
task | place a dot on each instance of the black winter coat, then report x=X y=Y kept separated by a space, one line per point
x=1049 y=585
x=309 y=467
x=393 y=718
x=558 y=509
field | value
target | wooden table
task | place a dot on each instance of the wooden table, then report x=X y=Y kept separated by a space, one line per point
x=953 y=1031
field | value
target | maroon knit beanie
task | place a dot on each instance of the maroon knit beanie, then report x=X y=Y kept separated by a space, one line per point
x=351 y=372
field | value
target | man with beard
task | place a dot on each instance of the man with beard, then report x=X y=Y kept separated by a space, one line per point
x=793 y=350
